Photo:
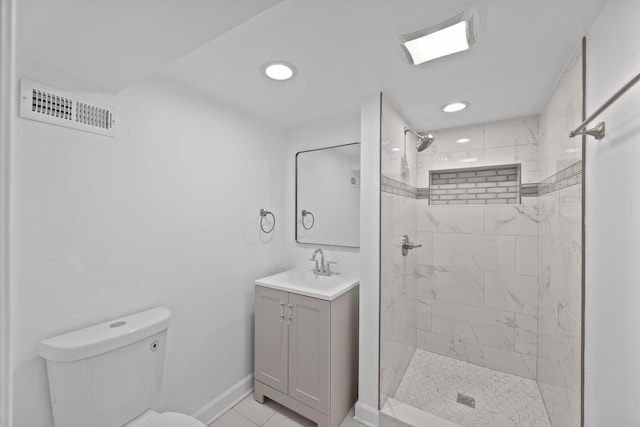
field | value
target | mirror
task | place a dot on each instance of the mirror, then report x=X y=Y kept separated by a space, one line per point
x=328 y=196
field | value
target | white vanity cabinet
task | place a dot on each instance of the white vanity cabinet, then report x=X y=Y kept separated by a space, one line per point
x=306 y=350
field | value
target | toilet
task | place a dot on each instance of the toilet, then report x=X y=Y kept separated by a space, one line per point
x=108 y=375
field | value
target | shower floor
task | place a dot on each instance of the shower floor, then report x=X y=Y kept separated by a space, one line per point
x=432 y=383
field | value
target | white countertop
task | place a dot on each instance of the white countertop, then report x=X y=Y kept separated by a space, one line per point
x=304 y=282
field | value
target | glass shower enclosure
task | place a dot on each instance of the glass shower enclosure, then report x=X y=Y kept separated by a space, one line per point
x=481 y=319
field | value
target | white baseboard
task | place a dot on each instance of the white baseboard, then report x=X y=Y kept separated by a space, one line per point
x=366 y=415
x=227 y=400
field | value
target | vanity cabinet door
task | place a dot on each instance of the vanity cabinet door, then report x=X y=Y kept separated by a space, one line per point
x=272 y=338
x=309 y=351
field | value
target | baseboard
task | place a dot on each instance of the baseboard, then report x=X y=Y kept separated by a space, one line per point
x=227 y=400
x=366 y=415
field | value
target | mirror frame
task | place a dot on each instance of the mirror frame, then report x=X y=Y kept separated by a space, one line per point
x=295 y=214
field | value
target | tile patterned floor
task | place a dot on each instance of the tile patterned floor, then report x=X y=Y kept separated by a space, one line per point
x=432 y=383
x=249 y=413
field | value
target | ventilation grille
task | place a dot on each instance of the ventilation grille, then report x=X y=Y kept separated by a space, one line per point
x=93 y=116
x=44 y=104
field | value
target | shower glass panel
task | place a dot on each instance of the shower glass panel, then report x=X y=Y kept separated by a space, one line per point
x=481 y=324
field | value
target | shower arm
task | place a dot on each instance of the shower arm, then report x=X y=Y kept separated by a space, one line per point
x=407 y=129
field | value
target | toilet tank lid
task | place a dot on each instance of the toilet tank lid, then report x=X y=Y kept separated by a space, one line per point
x=104 y=337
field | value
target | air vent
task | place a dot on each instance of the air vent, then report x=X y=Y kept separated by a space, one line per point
x=45 y=104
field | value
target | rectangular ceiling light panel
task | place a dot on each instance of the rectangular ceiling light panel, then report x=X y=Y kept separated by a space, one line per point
x=454 y=35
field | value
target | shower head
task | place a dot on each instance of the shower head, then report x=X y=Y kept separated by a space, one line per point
x=424 y=140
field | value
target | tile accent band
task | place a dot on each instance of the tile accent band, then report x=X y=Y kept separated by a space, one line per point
x=499 y=184
x=567 y=177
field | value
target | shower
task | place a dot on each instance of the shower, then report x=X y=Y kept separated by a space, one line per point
x=423 y=142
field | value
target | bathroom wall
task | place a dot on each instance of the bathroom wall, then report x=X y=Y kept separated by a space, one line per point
x=325 y=133
x=477 y=271
x=8 y=97
x=612 y=335
x=165 y=214
x=560 y=249
x=368 y=363
x=397 y=272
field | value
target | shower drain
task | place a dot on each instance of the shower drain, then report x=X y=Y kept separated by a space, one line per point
x=466 y=400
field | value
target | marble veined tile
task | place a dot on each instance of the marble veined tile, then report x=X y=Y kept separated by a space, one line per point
x=450 y=219
x=475 y=158
x=424 y=255
x=511 y=292
x=447 y=140
x=451 y=284
x=476 y=324
x=527 y=255
x=471 y=251
x=519 y=131
x=560 y=254
x=527 y=156
x=527 y=334
x=423 y=314
x=520 y=220
x=510 y=362
x=460 y=349
x=396 y=162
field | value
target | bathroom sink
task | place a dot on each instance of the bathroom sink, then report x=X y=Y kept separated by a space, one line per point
x=305 y=282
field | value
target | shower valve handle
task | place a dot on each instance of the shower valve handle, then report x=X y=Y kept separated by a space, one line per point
x=406 y=245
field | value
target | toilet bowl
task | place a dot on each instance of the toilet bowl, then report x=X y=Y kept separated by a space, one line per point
x=109 y=374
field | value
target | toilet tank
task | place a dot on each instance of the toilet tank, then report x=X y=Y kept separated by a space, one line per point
x=106 y=375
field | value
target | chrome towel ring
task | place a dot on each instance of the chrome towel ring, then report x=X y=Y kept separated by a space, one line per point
x=304 y=215
x=263 y=214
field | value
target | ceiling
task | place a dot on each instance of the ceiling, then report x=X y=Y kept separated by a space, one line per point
x=116 y=43
x=344 y=51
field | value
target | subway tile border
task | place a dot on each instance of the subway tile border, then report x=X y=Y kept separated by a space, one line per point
x=497 y=185
x=529 y=190
x=567 y=177
x=391 y=186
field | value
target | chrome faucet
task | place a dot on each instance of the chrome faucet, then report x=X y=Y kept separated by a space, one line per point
x=321 y=269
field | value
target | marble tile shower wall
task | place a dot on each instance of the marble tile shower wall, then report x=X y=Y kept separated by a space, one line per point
x=398 y=292
x=560 y=255
x=477 y=289
x=504 y=142
x=397 y=272
x=478 y=284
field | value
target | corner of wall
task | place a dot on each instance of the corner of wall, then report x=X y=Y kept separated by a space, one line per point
x=7 y=109
x=369 y=252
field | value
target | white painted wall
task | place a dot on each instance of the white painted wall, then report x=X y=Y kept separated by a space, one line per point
x=165 y=214
x=367 y=406
x=612 y=222
x=7 y=106
x=325 y=133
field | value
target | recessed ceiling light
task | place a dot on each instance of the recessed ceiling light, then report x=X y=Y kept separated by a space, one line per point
x=450 y=36
x=455 y=106
x=463 y=140
x=468 y=160
x=395 y=149
x=279 y=70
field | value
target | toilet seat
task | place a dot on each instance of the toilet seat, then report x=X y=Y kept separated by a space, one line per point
x=172 y=419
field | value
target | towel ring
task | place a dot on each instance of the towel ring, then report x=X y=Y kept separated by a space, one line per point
x=304 y=215
x=263 y=214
